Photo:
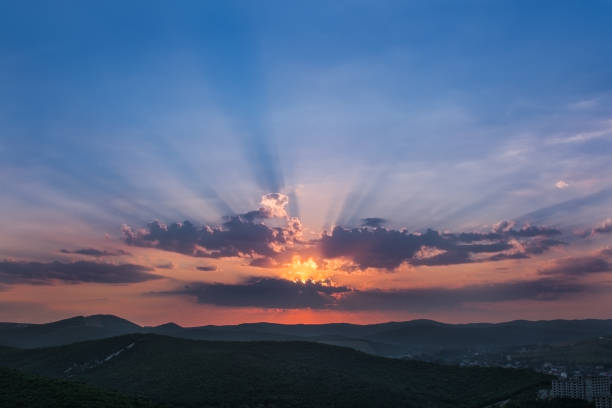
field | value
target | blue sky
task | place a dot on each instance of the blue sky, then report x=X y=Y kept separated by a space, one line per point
x=438 y=114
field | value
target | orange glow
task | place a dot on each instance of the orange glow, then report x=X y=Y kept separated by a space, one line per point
x=303 y=270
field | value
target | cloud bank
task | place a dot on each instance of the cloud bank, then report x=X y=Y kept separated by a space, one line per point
x=95 y=252
x=268 y=235
x=389 y=248
x=38 y=273
x=279 y=293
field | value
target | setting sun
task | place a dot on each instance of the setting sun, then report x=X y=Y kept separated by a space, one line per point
x=304 y=270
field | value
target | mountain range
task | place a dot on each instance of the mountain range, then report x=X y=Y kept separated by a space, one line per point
x=393 y=339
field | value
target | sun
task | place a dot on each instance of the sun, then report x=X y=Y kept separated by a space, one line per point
x=304 y=270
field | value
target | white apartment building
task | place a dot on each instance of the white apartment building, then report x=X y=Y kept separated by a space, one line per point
x=603 y=402
x=585 y=388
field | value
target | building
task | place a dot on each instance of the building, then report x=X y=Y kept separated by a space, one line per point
x=584 y=388
x=603 y=402
x=568 y=388
x=597 y=387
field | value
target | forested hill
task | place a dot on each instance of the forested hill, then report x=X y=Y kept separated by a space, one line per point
x=190 y=373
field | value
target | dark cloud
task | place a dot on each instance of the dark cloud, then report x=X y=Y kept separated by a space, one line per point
x=445 y=258
x=269 y=235
x=377 y=248
x=168 y=265
x=243 y=235
x=604 y=228
x=373 y=222
x=579 y=266
x=264 y=263
x=503 y=257
x=388 y=248
x=539 y=246
x=285 y=294
x=238 y=236
x=263 y=292
x=529 y=231
x=38 y=273
x=426 y=299
x=206 y=268
x=95 y=252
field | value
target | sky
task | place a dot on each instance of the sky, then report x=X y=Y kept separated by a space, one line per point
x=305 y=162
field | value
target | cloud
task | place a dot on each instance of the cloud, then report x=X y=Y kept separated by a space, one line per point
x=95 y=252
x=426 y=299
x=243 y=235
x=444 y=258
x=168 y=265
x=236 y=237
x=37 y=273
x=604 y=228
x=264 y=293
x=373 y=222
x=561 y=184
x=284 y=294
x=268 y=236
x=579 y=266
x=389 y=248
x=586 y=136
x=206 y=268
x=503 y=226
x=275 y=205
x=272 y=205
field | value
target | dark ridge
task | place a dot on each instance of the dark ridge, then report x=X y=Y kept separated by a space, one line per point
x=193 y=373
x=393 y=339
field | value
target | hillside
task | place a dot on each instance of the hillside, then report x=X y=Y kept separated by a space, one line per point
x=191 y=373
x=592 y=351
x=65 y=331
x=26 y=390
x=386 y=339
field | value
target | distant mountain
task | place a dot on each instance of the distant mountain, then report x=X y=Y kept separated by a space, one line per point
x=394 y=339
x=66 y=331
x=191 y=373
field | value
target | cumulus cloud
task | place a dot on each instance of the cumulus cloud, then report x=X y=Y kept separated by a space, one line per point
x=561 y=184
x=243 y=235
x=38 y=273
x=272 y=205
x=285 y=294
x=604 y=228
x=95 y=252
x=275 y=205
x=503 y=226
x=388 y=248
x=268 y=236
